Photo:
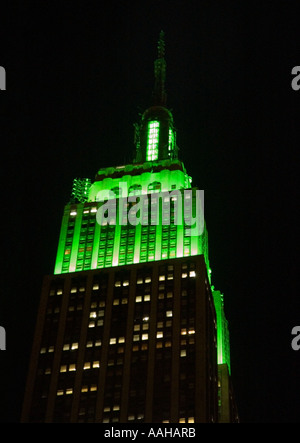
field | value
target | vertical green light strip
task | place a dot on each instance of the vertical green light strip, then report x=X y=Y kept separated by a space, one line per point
x=76 y=237
x=117 y=238
x=171 y=141
x=94 y=263
x=137 y=243
x=158 y=240
x=158 y=231
x=223 y=350
x=195 y=245
x=153 y=138
x=62 y=241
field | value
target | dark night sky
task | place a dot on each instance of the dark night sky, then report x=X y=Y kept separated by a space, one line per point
x=78 y=74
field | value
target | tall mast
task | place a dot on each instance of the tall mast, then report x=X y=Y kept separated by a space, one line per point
x=159 y=93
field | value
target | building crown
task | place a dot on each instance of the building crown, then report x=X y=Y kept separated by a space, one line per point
x=155 y=135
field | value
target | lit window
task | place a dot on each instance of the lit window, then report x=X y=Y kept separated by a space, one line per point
x=63 y=368
x=183 y=353
x=138 y=299
x=144 y=336
x=73 y=213
x=74 y=346
x=125 y=283
x=153 y=138
x=72 y=367
x=87 y=365
x=147 y=297
x=112 y=341
x=93 y=314
x=191 y=420
x=92 y=324
x=96 y=364
x=159 y=334
x=192 y=274
x=169 y=314
x=184 y=275
x=161 y=278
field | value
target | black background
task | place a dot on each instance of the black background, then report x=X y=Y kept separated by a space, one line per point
x=78 y=74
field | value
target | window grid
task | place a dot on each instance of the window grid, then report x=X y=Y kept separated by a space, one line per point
x=153 y=138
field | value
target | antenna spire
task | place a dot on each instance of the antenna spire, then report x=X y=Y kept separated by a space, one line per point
x=159 y=94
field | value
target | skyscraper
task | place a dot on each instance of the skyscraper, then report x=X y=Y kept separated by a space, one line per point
x=129 y=327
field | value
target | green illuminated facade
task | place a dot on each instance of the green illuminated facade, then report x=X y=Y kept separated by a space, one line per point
x=130 y=328
x=86 y=244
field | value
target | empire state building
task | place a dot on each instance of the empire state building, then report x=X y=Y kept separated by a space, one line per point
x=130 y=328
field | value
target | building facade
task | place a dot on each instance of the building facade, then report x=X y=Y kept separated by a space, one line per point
x=129 y=327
